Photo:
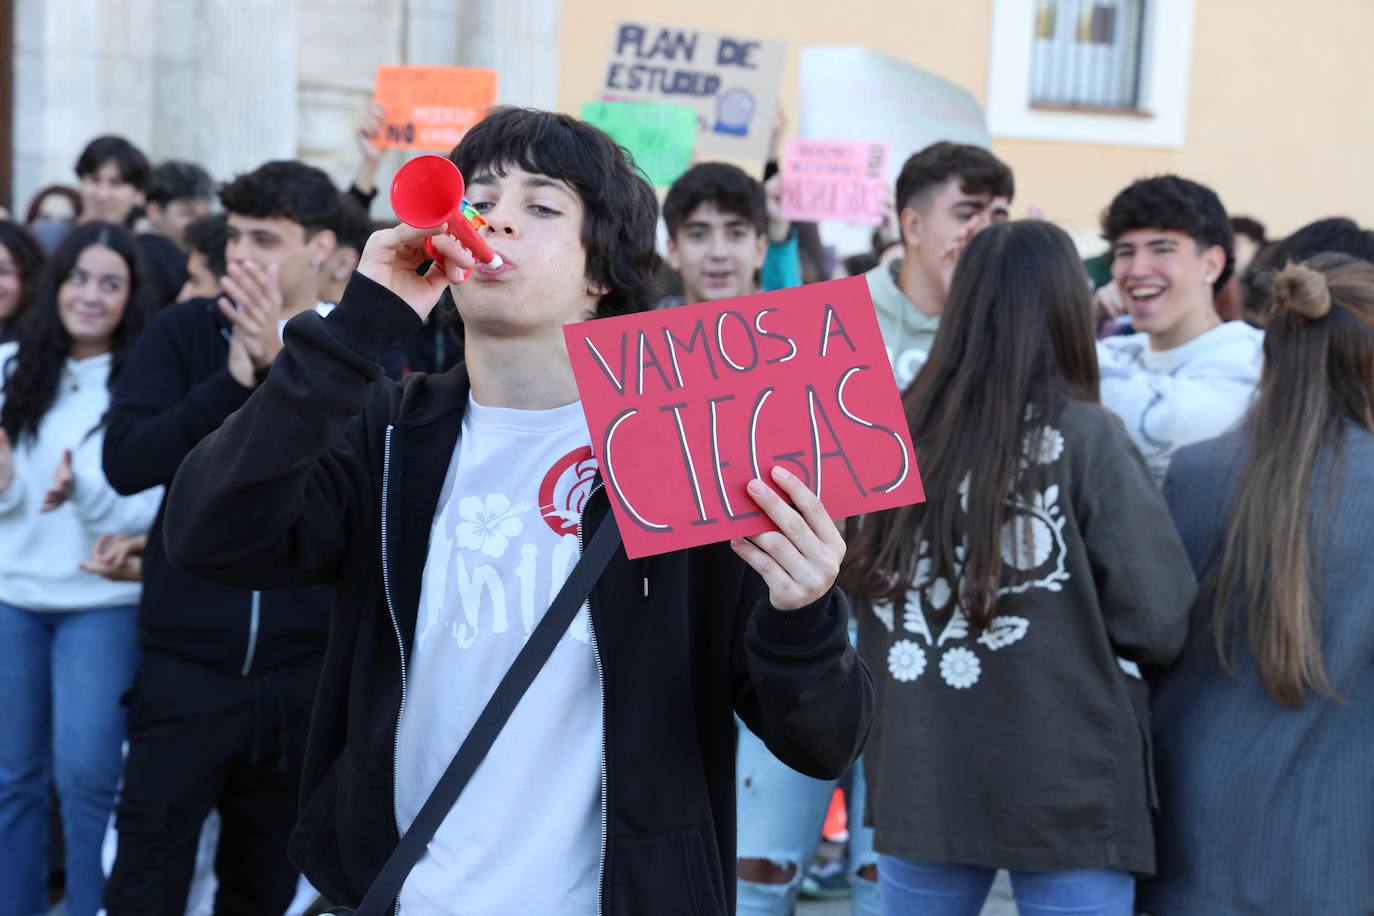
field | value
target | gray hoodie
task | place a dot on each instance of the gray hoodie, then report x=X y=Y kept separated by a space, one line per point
x=906 y=331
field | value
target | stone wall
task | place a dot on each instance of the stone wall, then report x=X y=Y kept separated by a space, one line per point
x=233 y=83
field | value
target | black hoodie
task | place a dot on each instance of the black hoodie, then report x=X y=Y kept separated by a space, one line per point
x=324 y=475
x=176 y=389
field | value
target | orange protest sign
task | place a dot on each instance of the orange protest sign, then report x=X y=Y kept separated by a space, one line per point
x=432 y=107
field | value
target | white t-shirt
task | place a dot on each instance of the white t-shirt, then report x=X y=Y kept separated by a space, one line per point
x=1172 y=398
x=525 y=836
x=40 y=552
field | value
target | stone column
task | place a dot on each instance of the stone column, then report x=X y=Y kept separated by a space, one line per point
x=82 y=68
x=231 y=103
x=342 y=43
x=518 y=38
x=431 y=33
x=213 y=81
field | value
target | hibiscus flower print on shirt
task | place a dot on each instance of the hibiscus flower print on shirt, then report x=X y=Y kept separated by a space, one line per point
x=488 y=524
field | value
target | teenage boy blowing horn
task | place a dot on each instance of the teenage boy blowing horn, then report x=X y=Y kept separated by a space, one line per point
x=611 y=786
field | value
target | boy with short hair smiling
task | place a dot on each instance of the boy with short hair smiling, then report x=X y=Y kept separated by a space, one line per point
x=1185 y=375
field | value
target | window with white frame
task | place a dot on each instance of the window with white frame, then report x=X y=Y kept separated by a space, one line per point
x=1086 y=54
x=1111 y=72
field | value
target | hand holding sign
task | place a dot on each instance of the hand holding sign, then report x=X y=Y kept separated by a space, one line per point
x=431 y=107
x=800 y=561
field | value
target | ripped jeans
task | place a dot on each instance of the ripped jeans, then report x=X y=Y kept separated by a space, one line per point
x=780 y=813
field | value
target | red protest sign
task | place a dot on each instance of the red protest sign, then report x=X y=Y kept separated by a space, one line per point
x=687 y=405
x=834 y=180
x=432 y=107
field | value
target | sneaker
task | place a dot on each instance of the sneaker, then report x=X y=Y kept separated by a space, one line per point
x=826 y=879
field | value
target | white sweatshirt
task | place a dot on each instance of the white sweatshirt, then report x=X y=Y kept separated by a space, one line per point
x=1172 y=398
x=40 y=552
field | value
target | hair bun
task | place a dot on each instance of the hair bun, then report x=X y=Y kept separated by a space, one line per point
x=1302 y=291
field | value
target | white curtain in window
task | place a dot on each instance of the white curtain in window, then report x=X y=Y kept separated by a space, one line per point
x=1086 y=52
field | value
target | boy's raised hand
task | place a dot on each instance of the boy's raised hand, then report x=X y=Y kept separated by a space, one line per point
x=800 y=561
x=392 y=256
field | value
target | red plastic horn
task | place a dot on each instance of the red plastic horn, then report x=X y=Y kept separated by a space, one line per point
x=428 y=192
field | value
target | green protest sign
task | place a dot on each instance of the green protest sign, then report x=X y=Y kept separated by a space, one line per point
x=660 y=136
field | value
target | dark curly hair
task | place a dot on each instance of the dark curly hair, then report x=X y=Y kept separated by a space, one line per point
x=32 y=377
x=730 y=188
x=978 y=171
x=621 y=208
x=29 y=259
x=1172 y=203
x=287 y=189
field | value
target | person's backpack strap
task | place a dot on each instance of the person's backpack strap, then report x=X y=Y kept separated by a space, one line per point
x=387 y=886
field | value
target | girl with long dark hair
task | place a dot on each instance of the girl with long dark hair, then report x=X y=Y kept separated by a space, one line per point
x=69 y=635
x=21 y=261
x=1265 y=727
x=999 y=617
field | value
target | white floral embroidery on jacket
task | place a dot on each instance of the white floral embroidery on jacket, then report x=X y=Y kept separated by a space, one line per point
x=1036 y=557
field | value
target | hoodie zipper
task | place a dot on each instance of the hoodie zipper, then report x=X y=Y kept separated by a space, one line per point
x=601 y=688
x=254 y=622
x=400 y=645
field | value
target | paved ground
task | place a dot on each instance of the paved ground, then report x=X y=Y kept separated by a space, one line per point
x=999 y=903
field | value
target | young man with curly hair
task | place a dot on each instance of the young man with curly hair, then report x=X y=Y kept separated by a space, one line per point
x=219 y=708
x=1185 y=375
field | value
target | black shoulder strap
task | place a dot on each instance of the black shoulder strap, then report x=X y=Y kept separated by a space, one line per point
x=382 y=895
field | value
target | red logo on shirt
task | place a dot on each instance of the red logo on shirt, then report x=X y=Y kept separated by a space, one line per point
x=564 y=492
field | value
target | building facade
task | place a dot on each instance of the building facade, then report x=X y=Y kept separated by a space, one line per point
x=233 y=83
x=1265 y=101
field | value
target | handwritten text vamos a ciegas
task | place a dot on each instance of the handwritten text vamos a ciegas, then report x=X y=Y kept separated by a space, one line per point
x=735 y=388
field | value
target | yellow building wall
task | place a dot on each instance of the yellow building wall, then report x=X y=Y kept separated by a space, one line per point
x=1280 y=111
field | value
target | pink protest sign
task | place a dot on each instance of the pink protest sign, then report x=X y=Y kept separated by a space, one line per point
x=834 y=180
x=687 y=405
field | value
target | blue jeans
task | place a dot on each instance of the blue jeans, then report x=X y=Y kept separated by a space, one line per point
x=915 y=888
x=780 y=814
x=61 y=680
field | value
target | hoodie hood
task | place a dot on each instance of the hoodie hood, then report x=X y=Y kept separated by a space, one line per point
x=907 y=332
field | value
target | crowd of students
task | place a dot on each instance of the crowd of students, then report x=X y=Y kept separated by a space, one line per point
x=272 y=492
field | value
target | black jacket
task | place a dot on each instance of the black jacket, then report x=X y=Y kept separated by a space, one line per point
x=164 y=265
x=323 y=475
x=174 y=391
x=1026 y=746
